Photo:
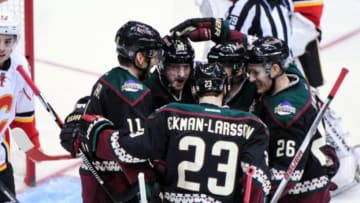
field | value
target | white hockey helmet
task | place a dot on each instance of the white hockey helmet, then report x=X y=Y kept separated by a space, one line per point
x=9 y=24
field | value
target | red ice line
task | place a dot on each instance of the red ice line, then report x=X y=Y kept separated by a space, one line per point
x=340 y=39
x=55 y=174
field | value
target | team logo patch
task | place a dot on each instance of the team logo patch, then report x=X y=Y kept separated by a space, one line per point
x=284 y=108
x=132 y=86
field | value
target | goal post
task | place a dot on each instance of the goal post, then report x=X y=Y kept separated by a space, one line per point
x=29 y=33
x=24 y=13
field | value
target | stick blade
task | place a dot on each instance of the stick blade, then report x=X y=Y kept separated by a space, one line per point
x=37 y=155
x=25 y=144
x=21 y=139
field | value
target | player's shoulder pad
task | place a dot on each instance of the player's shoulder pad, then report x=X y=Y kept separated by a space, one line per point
x=121 y=80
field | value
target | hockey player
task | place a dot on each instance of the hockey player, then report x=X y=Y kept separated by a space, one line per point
x=287 y=108
x=122 y=97
x=16 y=98
x=208 y=149
x=277 y=19
x=170 y=82
x=232 y=55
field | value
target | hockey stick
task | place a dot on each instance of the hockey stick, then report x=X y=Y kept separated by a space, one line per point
x=25 y=144
x=61 y=125
x=249 y=173
x=142 y=188
x=8 y=193
x=36 y=91
x=308 y=137
x=21 y=138
x=97 y=176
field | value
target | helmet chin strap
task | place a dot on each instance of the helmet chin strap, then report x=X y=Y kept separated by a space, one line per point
x=144 y=72
x=272 y=87
x=273 y=80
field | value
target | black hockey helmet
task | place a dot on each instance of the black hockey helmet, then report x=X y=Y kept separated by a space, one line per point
x=135 y=36
x=228 y=52
x=178 y=50
x=209 y=78
x=268 y=50
x=231 y=53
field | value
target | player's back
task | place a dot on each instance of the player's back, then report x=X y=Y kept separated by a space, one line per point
x=208 y=149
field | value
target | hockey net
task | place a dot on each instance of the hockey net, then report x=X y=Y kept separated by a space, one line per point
x=23 y=11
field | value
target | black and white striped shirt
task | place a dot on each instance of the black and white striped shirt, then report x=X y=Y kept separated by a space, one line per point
x=261 y=17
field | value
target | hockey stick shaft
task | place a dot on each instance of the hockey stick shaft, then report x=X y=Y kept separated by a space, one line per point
x=61 y=125
x=37 y=92
x=142 y=187
x=8 y=193
x=249 y=177
x=97 y=176
x=36 y=154
x=308 y=137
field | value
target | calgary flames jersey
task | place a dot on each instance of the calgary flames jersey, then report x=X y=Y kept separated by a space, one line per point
x=16 y=97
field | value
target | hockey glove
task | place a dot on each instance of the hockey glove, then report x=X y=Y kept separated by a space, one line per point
x=202 y=29
x=91 y=127
x=69 y=135
x=332 y=160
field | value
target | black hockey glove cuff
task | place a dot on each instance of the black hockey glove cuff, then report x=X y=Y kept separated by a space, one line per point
x=202 y=29
x=332 y=160
x=91 y=127
x=69 y=134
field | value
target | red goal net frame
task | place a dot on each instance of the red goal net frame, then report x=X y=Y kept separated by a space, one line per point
x=29 y=33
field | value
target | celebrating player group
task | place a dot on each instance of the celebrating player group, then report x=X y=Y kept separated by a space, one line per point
x=226 y=129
